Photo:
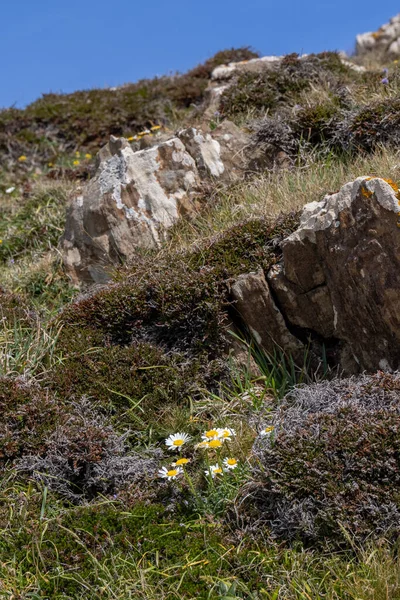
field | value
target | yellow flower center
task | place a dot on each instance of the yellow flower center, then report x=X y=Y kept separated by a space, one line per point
x=211 y=433
x=178 y=442
x=225 y=433
x=214 y=444
x=182 y=461
x=218 y=470
x=268 y=429
x=231 y=461
x=172 y=473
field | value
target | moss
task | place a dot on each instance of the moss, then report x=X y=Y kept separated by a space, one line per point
x=180 y=303
x=138 y=386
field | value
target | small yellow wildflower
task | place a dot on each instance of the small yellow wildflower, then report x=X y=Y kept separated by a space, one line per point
x=88 y=156
x=50 y=164
x=22 y=158
x=76 y=163
x=77 y=154
x=1 y=241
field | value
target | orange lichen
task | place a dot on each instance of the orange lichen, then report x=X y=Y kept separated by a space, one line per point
x=365 y=192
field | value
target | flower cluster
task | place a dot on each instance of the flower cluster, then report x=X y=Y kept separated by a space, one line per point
x=212 y=439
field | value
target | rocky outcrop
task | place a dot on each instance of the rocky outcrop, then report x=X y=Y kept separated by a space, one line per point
x=338 y=282
x=133 y=198
x=136 y=196
x=383 y=42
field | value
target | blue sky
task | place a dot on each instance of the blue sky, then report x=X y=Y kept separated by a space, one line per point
x=67 y=45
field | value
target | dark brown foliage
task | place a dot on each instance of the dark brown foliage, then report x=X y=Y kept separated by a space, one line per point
x=334 y=462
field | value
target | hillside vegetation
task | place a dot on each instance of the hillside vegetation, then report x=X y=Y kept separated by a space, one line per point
x=286 y=504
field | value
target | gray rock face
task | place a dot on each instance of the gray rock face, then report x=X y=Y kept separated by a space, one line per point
x=257 y=308
x=384 y=41
x=135 y=197
x=339 y=278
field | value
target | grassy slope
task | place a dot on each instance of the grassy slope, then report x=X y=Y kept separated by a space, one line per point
x=144 y=543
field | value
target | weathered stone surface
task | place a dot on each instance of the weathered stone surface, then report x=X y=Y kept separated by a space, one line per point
x=205 y=151
x=255 y=305
x=303 y=307
x=339 y=278
x=235 y=149
x=355 y=240
x=384 y=41
x=133 y=198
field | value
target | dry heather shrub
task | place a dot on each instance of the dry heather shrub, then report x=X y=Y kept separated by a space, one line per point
x=84 y=456
x=333 y=463
x=68 y=446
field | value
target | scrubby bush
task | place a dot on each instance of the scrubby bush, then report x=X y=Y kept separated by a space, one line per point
x=333 y=462
x=84 y=456
x=56 y=124
x=331 y=126
x=283 y=83
x=69 y=446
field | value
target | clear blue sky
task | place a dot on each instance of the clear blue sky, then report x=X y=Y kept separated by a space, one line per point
x=65 y=45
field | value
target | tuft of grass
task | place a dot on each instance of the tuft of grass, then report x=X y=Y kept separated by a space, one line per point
x=27 y=348
x=30 y=262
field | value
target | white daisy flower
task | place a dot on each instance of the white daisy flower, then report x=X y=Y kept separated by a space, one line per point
x=202 y=445
x=169 y=473
x=211 y=434
x=176 y=440
x=267 y=430
x=214 y=470
x=226 y=433
x=10 y=190
x=230 y=463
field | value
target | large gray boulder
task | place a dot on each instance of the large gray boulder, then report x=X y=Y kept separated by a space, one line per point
x=132 y=200
x=136 y=196
x=339 y=279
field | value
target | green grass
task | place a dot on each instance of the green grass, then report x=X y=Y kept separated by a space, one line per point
x=30 y=261
x=113 y=549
